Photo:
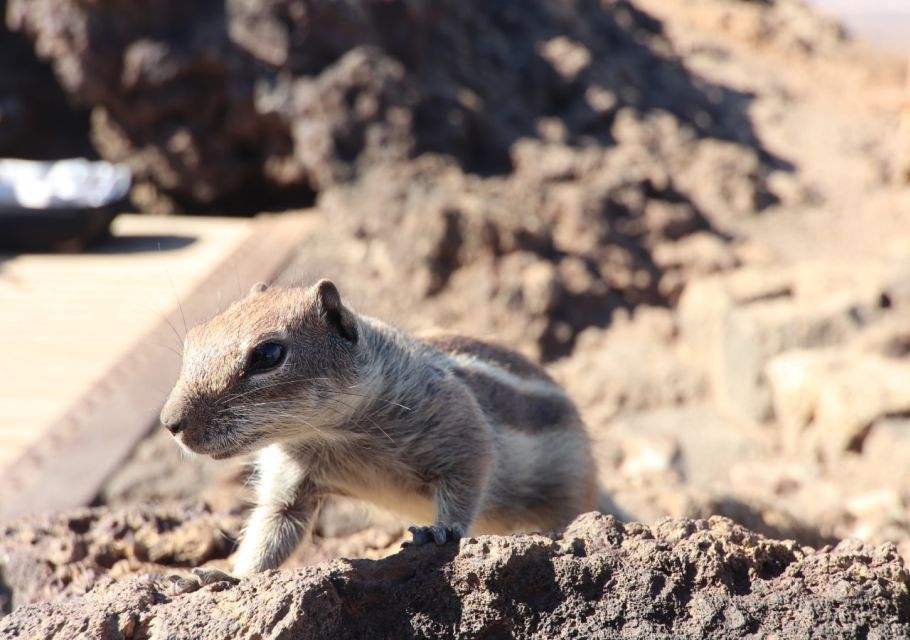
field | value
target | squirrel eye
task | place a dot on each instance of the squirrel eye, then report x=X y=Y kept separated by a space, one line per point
x=265 y=356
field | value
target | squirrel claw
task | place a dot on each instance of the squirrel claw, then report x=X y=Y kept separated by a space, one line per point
x=177 y=584
x=212 y=576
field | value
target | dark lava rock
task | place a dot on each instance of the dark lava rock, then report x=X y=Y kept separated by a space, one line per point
x=599 y=578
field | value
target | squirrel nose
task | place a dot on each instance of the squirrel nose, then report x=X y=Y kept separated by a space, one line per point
x=172 y=417
x=176 y=415
x=174 y=425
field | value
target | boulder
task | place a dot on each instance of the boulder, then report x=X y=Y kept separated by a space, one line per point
x=827 y=401
x=735 y=323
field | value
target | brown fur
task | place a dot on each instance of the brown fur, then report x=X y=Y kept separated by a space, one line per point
x=529 y=413
x=497 y=354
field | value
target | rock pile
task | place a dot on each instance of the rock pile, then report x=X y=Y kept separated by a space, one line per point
x=561 y=155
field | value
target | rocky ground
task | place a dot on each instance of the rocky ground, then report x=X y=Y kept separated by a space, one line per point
x=595 y=579
x=694 y=212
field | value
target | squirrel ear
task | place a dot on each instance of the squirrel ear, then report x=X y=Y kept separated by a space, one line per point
x=259 y=287
x=337 y=315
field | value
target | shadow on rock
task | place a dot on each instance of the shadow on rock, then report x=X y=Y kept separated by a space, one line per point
x=535 y=160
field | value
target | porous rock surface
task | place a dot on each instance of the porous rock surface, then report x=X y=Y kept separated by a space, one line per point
x=598 y=578
x=52 y=557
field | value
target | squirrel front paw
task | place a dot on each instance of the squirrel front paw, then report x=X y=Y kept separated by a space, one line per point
x=437 y=533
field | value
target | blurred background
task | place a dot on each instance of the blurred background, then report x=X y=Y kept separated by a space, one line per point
x=696 y=213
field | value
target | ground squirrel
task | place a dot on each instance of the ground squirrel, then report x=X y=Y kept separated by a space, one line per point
x=456 y=433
